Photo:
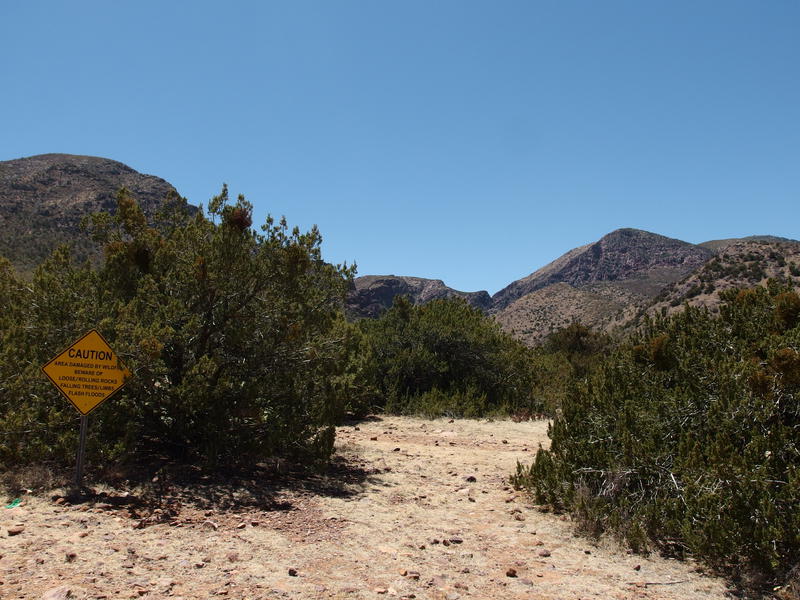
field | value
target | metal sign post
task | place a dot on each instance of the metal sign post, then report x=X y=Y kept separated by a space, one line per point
x=87 y=373
x=81 y=452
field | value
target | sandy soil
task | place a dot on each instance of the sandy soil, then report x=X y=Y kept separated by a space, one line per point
x=413 y=509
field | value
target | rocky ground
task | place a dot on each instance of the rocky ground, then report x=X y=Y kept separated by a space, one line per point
x=413 y=509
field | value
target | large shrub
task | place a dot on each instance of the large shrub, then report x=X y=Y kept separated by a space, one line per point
x=443 y=358
x=230 y=334
x=689 y=437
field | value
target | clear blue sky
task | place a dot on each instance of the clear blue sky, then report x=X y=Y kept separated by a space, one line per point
x=467 y=141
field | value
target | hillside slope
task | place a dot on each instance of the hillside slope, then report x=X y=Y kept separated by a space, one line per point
x=43 y=199
x=740 y=264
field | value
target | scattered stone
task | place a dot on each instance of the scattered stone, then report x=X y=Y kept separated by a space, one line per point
x=511 y=572
x=396 y=450
x=460 y=586
x=210 y=525
x=374 y=438
x=412 y=575
x=70 y=556
x=504 y=441
x=15 y=530
x=544 y=553
x=292 y=572
x=587 y=551
x=470 y=479
x=519 y=517
x=241 y=525
x=465 y=570
x=445 y=542
x=637 y=567
x=380 y=590
x=232 y=556
x=456 y=540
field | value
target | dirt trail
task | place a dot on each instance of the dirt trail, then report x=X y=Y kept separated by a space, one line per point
x=420 y=509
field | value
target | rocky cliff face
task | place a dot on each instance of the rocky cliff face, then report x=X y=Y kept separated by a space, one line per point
x=373 y=294
x=43 y=199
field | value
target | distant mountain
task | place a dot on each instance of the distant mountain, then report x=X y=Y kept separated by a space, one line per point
x=595 y=284
x=43 y=199
x=373 y=294
x=647 y=261
x=608 y=284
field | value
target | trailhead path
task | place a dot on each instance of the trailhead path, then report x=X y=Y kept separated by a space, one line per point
x=415 y=509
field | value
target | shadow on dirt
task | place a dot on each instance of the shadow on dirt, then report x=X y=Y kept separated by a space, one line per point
x=164 y=492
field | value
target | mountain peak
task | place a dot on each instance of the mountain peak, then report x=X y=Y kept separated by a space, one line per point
x=619 y=255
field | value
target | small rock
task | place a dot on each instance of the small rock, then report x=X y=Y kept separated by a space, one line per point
x=456 y=540
x=232 y=556
x=70 y=556
x=519 y=516
x=292 y=572
x=199 y=565
x=396 y=450
x=511 y=572
x=210 y=525
x=374 y=438
x=544 y=553
x=241 y=526
x=380 y=590
x=470 y=479
x=445 y=542
x=637 y=567
x=413 y=575
x=15 y=530
x=504 y=441
x=587 y=551
x=61 y=592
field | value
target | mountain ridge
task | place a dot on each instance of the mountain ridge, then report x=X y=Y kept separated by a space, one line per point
x=605 y=284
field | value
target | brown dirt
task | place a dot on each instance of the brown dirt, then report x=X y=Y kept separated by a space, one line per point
x=396 y=518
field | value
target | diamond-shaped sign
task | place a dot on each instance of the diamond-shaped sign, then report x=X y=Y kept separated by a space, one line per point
x=87 y=372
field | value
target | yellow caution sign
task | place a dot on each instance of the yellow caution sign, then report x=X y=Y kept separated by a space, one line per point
x=87 y=372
